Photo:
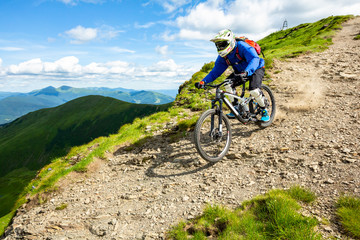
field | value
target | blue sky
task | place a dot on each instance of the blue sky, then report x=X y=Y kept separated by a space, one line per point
x=150 y=44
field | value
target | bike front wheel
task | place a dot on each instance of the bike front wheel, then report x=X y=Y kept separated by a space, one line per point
x=212 y=135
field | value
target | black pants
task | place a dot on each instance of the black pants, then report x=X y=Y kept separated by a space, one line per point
x=255 y=79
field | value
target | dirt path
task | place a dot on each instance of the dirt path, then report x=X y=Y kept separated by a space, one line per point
x=140 y=194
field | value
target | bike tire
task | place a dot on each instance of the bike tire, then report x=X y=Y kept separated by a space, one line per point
x=270 y=98
x=209 y=144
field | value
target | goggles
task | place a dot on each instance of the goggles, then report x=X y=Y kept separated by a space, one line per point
x=221 y=45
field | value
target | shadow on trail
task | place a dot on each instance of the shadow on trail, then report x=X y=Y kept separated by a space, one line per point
x=166 y=155
x=245 y=131
x=150 y=172
x=173 y=154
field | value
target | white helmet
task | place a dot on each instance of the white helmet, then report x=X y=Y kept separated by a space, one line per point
x=224 y=41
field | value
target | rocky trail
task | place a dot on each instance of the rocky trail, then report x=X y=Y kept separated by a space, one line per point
x=140 y=194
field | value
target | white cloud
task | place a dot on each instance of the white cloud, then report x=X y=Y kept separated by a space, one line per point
x=107 y=32
x=164 y=50
x=80 y=34
x=120 y=67
x=75 y=2
x=146 y=25
x=67 y=1
x=167 y=36
x=172 y=5
x=66 y=65
x=2 y=72
x=163 y=74
x=114 y=67
x=95 y=68
x=164 y=66
x=11 y=49
x=69 y=66
x=121 y=50
x=33 y=66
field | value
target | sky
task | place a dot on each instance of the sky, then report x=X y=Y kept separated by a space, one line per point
x=142 y=45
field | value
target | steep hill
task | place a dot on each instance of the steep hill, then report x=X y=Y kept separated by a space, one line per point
x=146 y=186
x=16 y=105
x=33 y=139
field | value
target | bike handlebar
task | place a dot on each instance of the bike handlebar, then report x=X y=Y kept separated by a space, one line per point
x=217 y=85
x=227 y=81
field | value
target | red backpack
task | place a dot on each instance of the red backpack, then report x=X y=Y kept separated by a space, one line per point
x=252 y=43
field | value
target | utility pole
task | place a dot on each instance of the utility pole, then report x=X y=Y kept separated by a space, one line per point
x=285 y=25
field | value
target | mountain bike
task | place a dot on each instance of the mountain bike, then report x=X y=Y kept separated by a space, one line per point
x=213 y=129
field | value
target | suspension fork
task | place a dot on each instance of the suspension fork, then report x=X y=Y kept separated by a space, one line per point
x=219 y=112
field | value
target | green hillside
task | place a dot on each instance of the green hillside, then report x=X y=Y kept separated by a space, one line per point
x=33 y=139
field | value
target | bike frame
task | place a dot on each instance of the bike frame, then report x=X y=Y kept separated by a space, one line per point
x=220 y=97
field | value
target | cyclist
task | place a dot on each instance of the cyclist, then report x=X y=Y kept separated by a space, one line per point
x=250 y=65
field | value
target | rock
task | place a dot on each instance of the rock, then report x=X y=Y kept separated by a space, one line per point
x=348 y=160
x=329 y=181
x=185 y=198
x=98 y=229
x=328 y=229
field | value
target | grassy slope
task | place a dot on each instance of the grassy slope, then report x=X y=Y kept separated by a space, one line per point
x=32 y=141
x=281 y=45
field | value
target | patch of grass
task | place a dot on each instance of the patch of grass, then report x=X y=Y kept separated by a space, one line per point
x=5 y=220
x=357 y=37
x=348 y=210
x=301 y=194
x=270 y=216
x=61 y=207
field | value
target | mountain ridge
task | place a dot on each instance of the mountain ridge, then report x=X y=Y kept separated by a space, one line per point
x=16 y=105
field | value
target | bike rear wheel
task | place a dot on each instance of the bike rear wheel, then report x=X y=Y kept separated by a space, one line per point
x=270 y=105
x=212 y=143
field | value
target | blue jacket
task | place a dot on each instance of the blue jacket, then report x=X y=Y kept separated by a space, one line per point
x=250 y=63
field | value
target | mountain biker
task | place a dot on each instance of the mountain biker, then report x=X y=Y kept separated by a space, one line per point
x=250 y=65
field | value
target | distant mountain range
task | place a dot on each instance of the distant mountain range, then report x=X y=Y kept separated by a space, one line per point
x=14 y=105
